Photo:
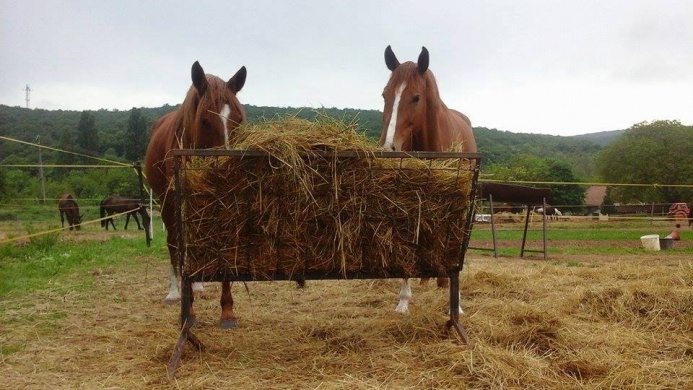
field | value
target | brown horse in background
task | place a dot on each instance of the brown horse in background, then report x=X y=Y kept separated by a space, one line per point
x=416 y=119
x=207 y=118
x=114 y=204
x=69 y=210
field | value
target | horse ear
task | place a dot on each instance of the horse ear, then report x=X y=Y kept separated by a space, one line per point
x=390 y=59
x=198 y=78
x=237 y=82
x=422 y=63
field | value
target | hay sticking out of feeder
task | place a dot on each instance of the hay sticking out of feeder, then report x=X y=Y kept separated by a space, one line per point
x=301 y=210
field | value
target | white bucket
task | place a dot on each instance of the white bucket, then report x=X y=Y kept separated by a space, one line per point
x=650 y=242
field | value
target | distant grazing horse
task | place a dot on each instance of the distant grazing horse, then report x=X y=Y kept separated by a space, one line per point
x=207 y=118
x=416 y=119
x=114 y=204
x=69 y=210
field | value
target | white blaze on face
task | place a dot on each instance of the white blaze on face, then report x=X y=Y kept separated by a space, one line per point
x=224 y=116
x=392 y=126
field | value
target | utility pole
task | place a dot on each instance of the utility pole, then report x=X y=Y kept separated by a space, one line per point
x=43 y=181
x=26 y=99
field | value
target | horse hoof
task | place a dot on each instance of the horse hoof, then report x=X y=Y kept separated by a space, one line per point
x=228 y=323
x=171 y=301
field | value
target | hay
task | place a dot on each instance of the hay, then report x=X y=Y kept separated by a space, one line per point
x=305 y=209
x=108 y=328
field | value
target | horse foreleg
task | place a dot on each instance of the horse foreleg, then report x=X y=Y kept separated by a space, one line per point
x=442 y=282
x=134 y=216
x=127 y=220
x=405 y=295
x=228 y=317
x=173 y=290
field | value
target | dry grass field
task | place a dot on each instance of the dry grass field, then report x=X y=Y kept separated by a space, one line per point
x=595 y=321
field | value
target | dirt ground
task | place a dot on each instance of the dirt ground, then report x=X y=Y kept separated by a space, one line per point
x=570 y=322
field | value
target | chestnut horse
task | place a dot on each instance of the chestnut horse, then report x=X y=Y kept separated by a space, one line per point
x=114 y=204
x=416 y=119
x=69 y=210
x=207 y=118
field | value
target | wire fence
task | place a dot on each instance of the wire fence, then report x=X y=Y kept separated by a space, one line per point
x=652 y=212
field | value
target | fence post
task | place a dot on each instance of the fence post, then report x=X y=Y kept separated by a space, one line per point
x=148 y=227
x=652 y=214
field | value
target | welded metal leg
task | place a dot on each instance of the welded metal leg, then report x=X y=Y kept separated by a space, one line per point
x=524 y=233
x=177 y=354
x=454 y=321
x=186 y=335
x=493 y=227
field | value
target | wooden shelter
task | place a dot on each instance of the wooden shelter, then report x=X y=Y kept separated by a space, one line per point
x=528 y=196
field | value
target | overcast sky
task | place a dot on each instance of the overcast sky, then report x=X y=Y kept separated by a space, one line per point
x=559 y=67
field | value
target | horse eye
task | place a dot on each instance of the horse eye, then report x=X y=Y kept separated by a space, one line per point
x=416 y=99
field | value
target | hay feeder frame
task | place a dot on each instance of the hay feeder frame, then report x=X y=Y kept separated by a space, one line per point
x=457 y=222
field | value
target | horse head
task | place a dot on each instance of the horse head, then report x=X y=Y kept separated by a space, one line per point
x=211 y=110
x=410 y=95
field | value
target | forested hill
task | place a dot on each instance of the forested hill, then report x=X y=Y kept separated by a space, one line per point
x=497 y=146
x=602 y=138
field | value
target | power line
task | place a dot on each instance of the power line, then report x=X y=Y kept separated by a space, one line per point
x=66 y=151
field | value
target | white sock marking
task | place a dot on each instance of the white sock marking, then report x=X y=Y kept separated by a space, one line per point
x=392 y=126
x=173 y=290
x=404 y=297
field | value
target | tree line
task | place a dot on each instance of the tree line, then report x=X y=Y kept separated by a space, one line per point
x=646 y=153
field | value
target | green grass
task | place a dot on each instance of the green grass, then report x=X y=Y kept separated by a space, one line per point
x=62 y=266
x=612 y=238
x=49 y=263
x=7 y=349
x=577 y=234
x=30 y=212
